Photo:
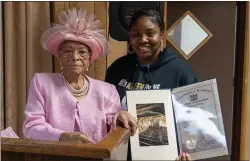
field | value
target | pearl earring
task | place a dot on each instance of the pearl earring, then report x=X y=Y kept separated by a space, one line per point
x=87 y=68
x=61 y=68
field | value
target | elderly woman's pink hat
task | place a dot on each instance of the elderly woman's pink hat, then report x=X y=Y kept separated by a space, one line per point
x=77 y=25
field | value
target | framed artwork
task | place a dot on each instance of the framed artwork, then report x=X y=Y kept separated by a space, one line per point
x=155 y=138
x=188 y=35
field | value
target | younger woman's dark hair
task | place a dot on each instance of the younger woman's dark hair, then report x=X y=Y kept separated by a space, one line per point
x=153 y=14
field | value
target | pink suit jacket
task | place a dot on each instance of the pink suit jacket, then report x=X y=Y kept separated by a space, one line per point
x=51 y=109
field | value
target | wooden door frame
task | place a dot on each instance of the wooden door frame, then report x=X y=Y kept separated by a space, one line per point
x=244 y=144
x=238 y=79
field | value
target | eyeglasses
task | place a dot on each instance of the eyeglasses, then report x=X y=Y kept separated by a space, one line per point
x=70 y=53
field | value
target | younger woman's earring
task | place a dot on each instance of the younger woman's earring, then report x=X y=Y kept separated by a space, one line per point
x=162 y=47
x=130 y=50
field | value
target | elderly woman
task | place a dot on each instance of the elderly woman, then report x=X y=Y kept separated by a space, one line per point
x=71 y=106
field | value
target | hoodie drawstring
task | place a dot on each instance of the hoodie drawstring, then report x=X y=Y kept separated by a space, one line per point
x=150 y=78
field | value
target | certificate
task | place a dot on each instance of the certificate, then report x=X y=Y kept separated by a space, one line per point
x=199 y=120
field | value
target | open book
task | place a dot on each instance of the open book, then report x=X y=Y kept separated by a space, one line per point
x=8 y=133
x=184 y=119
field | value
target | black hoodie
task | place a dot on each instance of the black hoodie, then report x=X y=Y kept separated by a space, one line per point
x=167 y=72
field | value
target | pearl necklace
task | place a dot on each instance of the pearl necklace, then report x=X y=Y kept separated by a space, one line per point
x=78 y=93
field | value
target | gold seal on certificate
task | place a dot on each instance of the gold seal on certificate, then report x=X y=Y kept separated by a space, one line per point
x=191 y=143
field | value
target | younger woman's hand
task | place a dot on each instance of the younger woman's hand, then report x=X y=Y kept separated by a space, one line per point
x=183 y=157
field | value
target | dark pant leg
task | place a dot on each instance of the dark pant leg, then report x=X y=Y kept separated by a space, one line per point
x=129 y=157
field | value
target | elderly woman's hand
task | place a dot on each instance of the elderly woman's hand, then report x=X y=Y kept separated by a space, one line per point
x=128 y=120
x=76 y=137
x=183 y=157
